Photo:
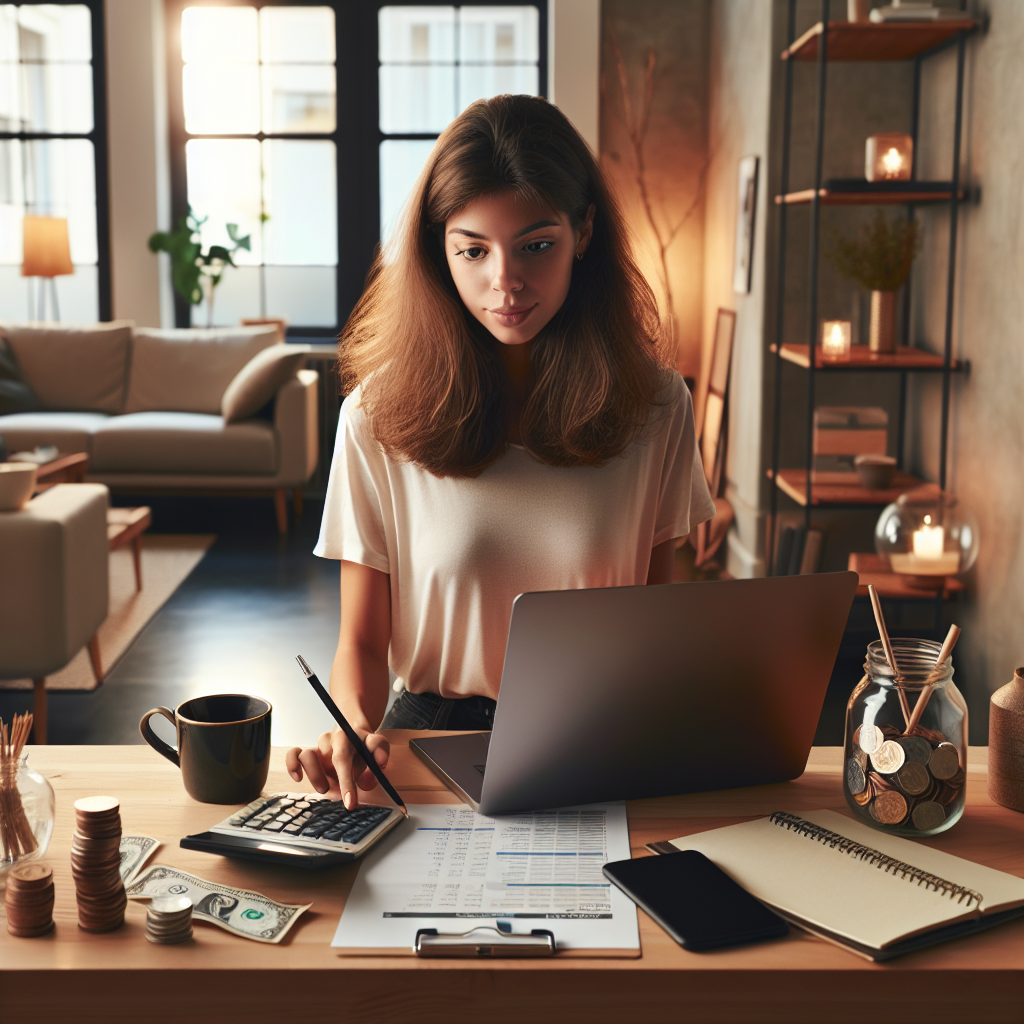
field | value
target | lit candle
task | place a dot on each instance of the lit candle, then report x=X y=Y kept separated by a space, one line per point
x=835 y=339
x=928 y=541
x=928 y=557
x=892 y=163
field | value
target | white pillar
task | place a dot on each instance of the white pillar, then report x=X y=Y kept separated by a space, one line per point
x=139 y=170
x=574 y=64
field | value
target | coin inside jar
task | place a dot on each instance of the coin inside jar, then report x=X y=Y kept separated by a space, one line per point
x=855 y=781
x=928 y=815
x=890 y=807
x=863 y=799
x=944 y=761
x=888 y=758
x=913 y=778
x=915 y=748
x=870 y=738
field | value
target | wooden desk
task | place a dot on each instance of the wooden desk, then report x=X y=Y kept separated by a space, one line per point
x=74 y=976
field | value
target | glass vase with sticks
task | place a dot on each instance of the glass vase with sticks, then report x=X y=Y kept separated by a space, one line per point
x=26 y=799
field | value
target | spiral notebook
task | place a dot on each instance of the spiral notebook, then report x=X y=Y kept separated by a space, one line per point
x=877 y=895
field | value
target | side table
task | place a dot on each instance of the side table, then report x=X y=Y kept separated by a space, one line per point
x=126 y=526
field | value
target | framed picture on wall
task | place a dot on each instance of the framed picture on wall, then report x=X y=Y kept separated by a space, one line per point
x=746 y=209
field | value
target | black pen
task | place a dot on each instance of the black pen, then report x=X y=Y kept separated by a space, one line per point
x=353 y=736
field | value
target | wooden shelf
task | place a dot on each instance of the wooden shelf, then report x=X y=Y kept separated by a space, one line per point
x=875 y=571
x=842 y=488
x=848 y=41
x=862 y=358
x=858 y=198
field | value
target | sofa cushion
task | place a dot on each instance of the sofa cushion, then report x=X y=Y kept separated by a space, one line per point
x=189 y=370
x=260 y=379
x=79 y=367
x=183 y=443
x=69 y=431
x=15 y=394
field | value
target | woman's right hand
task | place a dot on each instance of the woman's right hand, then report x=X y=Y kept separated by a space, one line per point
x=334 y=767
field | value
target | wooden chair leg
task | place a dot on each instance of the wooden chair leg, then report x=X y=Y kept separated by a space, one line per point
x=94 y=657
x=297 y=500
x=281 y=508
x=137 y=558
x=39 y=711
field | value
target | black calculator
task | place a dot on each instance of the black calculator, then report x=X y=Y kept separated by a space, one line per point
x=299 y=829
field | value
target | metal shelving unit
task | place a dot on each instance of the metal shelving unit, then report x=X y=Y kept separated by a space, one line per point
x=845 y=41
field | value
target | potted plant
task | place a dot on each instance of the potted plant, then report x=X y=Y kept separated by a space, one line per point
x=195 y=273
x=879 y=258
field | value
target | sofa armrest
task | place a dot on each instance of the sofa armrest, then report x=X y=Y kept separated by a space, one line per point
x=54 y=589
x=295 y=419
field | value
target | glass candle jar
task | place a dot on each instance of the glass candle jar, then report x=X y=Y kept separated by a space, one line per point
x=27 y=821
x=906 y=743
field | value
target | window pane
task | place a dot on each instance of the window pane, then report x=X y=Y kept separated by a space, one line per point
x=307 y=296
x=221 y=99
x=66 y=31
x=298 y=97
x=224 y=186
x=416 y=98
x=237 y=296
x=480 y=83
x=297 y=35
x=401 y=161
x=301 y=200
x=498 y=34
x=220 y=35
x=416 y=34
x=51 y=97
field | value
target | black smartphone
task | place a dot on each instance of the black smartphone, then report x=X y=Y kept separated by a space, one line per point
x=695 y=901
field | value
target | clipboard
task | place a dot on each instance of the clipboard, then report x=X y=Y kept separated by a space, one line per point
x=486 y=943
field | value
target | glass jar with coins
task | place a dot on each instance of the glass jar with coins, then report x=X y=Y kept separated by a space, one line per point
x=906 y=742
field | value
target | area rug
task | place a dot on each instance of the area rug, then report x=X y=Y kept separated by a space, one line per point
x=167 y=561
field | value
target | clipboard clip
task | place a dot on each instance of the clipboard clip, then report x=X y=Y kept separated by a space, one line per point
x=484 y=942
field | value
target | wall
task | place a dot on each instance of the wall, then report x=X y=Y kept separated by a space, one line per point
x=139 y=171
x=654 y=149
x=574 y=45
x=987 y=432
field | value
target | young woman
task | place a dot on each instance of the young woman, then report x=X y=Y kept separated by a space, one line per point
x=512 y=427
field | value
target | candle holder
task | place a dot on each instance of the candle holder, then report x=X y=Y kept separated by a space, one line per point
x=889 y=156
x=835 y=340
x=927 y=535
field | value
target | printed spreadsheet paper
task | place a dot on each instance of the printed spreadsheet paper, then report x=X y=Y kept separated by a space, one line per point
x=452 y=869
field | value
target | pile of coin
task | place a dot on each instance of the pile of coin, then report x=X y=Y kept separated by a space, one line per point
x=169 y=920
x=29 y=900
x=96 y=862
x=902 y=779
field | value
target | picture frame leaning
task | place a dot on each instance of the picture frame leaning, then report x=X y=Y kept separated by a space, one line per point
x=746 y=211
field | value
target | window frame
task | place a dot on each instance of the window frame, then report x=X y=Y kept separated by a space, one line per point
x=356 y=136
x=98 y=137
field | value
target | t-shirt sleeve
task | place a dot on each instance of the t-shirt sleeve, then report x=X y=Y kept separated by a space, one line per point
x=358 y=496
x=684 y=501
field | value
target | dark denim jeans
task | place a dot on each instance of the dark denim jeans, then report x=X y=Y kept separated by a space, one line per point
x=430 y=711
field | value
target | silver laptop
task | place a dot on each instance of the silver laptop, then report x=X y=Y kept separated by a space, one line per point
x=631 y=692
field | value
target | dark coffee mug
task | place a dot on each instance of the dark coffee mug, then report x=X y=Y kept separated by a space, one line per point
x=223 y=745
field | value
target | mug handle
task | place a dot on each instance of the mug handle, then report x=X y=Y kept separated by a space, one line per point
x=151 y=737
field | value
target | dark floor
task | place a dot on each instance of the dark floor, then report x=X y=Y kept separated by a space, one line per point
x=255 y=601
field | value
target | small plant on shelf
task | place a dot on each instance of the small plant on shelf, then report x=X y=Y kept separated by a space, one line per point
x=195 y=273
x=879 y=258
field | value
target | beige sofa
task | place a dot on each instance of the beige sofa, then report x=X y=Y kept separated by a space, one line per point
x=146 y=405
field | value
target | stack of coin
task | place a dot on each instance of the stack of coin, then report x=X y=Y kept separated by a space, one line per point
x=904 y=779
x=96 y=862
x=29 y=900
x=169 y=920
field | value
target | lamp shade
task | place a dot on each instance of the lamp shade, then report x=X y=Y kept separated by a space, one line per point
x=47 y=252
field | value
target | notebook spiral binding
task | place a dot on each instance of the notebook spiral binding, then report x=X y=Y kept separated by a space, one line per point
x=873 y=856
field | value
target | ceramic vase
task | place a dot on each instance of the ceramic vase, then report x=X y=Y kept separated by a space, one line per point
x=1006 y=744
x=882 y=339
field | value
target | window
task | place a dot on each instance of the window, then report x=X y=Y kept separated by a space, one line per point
x=307 y=125
x=53 y=152
x=258 y=98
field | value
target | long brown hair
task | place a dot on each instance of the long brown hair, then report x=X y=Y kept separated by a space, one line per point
x=433 y=384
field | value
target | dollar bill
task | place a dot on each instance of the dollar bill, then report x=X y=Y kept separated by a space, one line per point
x=238 y=911
x=135 y=851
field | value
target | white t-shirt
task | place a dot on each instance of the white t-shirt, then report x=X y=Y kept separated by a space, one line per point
x=460 y=550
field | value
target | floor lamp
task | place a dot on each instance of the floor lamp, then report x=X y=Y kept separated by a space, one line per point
x=46 y=254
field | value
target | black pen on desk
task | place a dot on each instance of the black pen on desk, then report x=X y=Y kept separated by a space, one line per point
x=353 y=736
